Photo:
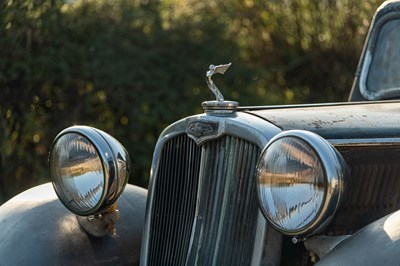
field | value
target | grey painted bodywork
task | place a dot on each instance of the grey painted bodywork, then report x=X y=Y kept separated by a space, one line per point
x=376 y=244
x=36 y=229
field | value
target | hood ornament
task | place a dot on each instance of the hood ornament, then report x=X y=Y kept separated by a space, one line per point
x=213 y=70
x=219 y=106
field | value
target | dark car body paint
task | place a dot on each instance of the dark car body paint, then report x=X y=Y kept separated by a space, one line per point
x=364 y=120
x=36 y=229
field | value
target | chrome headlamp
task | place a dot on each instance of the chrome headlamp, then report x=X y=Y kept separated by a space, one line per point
x=89 y=169
x=300 y=182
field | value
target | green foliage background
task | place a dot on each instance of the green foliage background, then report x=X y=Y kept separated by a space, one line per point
x=132 y=67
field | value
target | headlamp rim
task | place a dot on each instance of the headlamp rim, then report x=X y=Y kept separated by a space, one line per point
x=335 y=172
x=109 y=165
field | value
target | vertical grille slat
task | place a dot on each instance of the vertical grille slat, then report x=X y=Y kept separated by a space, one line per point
x=384 y=196
x=248 y=193
x=377 y=185
x=178 y=250
x=223 y=230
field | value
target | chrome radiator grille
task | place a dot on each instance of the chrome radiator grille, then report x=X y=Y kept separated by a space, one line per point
x=205 y=205
x=174 y=202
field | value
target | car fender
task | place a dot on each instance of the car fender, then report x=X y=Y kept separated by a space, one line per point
x=375 y=244
x=36 y=229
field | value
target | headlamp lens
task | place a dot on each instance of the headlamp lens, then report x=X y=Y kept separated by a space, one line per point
x=77 y=172
x=291 y=183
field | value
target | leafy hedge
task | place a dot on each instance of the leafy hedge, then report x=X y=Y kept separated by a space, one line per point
x=132 y=67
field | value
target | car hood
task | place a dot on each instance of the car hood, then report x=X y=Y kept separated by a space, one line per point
x=365 y=120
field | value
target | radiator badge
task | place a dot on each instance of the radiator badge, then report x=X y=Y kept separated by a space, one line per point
x=200 y=131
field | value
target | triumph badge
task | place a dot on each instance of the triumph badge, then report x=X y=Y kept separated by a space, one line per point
x=220 y=105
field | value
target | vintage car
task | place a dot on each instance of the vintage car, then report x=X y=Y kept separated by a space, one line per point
x=272 y=185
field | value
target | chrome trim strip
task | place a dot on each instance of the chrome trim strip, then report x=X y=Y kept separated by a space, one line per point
x=293 y=106
x=241 y=125
x=259 y=242
x=365 y=142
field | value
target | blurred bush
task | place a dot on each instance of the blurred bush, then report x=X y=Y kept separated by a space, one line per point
x=132 y=67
